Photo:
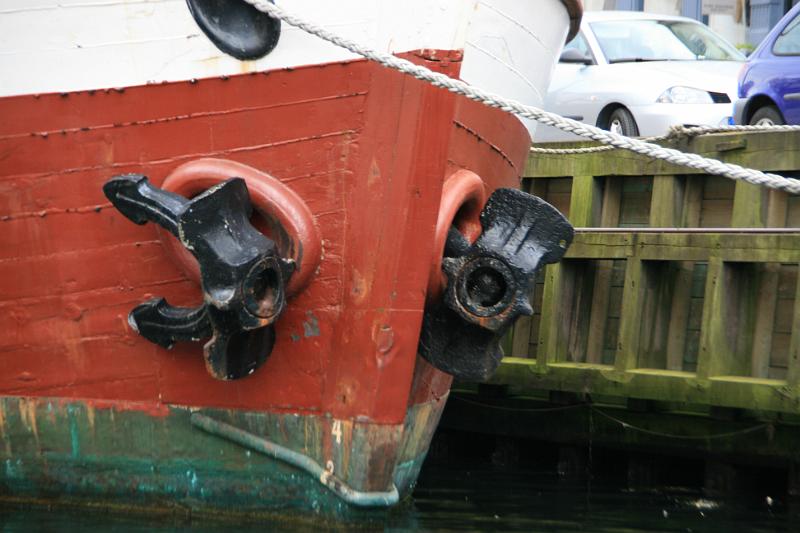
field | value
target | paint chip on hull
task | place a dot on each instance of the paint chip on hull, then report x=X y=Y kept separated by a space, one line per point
x=310 y=326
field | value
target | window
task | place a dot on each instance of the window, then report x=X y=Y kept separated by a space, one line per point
x=579 y=43
x=788 y=42
x=660 y=40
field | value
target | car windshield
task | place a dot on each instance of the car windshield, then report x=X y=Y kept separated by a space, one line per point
x=661 y=40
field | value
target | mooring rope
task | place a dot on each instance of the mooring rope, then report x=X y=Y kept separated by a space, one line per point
x=725 y=435
x=704 y=164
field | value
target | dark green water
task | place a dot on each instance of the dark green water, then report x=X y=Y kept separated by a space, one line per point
x=492 y=499
x=455 y=498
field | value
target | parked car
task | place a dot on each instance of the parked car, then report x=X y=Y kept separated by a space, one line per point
x=769 y=83
x=638 y=74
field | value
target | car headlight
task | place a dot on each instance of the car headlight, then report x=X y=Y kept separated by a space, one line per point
x=684 y=95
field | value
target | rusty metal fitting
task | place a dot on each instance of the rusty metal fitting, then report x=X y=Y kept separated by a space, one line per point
x=242 y=275
x=488 y=282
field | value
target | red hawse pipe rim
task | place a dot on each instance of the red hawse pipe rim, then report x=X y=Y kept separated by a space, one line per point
x=463 y=196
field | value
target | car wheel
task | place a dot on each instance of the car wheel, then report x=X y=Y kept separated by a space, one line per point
x=621 y=122
x=767 y=116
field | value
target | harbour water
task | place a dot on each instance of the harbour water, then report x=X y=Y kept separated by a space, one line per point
x=502 y=499
x=469 y=496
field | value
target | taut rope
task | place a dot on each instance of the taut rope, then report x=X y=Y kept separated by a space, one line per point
x=707 y=165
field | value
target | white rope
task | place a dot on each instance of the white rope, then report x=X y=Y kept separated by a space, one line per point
x=709 y=166
x=676 y=132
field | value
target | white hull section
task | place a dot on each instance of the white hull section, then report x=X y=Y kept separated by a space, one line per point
x=510 y=46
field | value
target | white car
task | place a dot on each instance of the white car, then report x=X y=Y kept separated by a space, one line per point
x=638 y=74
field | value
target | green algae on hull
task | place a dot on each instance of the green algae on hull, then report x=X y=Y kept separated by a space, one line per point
x=71 y=453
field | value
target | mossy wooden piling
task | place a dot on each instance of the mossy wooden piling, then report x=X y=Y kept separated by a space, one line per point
x=678 y=287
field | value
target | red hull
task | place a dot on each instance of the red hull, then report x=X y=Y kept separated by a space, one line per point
x=366 y=148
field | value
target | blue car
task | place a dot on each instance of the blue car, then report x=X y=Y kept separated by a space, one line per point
x=769 y=83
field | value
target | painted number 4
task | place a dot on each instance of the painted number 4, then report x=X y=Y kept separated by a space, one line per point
x=337 y=431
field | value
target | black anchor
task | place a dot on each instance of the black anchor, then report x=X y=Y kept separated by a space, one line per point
x=488 y=282
x=243 y=277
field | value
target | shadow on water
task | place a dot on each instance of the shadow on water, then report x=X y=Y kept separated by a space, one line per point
x=491 y=487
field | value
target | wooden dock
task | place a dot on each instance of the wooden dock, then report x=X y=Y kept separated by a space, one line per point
x=679 y=286
x=678 y=297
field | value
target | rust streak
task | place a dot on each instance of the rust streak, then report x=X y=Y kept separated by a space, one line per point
x=331 y=212
x=181 y=158
x=101 y=290
x=55 y=255
x=59 y=386
x=315 y=175
x=56 y=211
x=483 y=140
x=65 y=339
x=157 y=409
x=27 y=412
x=5 y=437
x=189 y=116
x=90 y=415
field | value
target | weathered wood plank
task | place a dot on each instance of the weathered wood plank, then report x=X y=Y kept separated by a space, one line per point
x=669 y=209
x=692 y=202
x=520 y=336
x=766 y=299
x=581 y=278
x=599 y=312
x=679 y=314
x=749 y=206
x=555 y=191
x=738 y=392
x=727 y=343
x=752 y=209
x=777 y=210
x=630 y=321
x=779 y=151
x=598 y=320
x=658 y=278
x=712 y=335
x=533 y=339
x=612 y=200
x=635 y=198
x=584 y=206
x=753 y=247
x=793 y=212
x=716 y=206
x=553 y=314
x=793 y=374
x=741 y=306
x=666 y=205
